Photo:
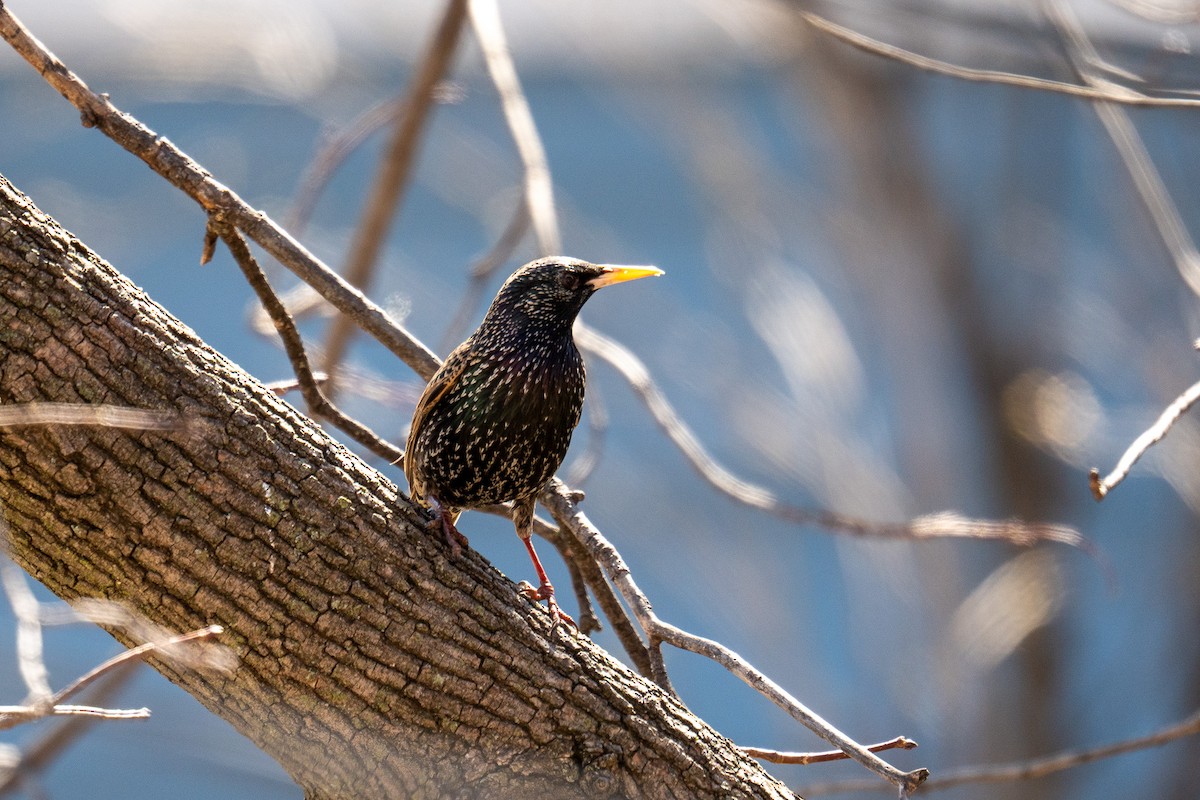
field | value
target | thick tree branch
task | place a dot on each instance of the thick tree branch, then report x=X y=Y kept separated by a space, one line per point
x=370 y=663
x=223 y=204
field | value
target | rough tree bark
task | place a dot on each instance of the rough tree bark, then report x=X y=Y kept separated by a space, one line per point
x=370 y=662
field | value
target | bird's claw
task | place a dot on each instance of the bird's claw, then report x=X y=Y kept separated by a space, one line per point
x=546 y=592
x=454 y=536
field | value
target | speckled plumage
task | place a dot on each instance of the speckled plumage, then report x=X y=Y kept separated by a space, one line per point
x=495 y=421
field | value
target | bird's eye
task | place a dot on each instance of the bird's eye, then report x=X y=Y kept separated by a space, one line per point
x=569 y=281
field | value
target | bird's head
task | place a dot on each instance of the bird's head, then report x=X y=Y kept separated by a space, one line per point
x=550 y=291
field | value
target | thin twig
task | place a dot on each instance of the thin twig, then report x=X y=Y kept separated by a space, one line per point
x=572 y=519
x=56 y=705
x=318 y=404
x=40 y=753
x=394 y=171
x=930 y=526
x=1178 y=407
x=1032 y=768
x=1132 y=149
x=134 y=654
x=804 y=759
x=1110 y=93
x=193 y=180
x=1162 y=13
x=539 y=188
x=281 y=387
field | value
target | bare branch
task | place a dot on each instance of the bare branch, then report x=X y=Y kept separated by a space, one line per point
x=102 y=713
x=1031 y=769
x=55 y=705
x=555 y=498
x=804 y=759
x=1130 y=146
x=1151 y=436
x=318 y=404
x=1110 y=93
x=40 y=753
x=169 y=647
x=390 y=183
x=539 y=189
x=185 y=174
x=1162 y=13
x=940 y=525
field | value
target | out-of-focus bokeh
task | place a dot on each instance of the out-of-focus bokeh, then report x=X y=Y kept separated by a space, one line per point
x=888 y=294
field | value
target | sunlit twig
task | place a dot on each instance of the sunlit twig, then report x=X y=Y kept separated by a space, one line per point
x=539 y=189
x=55 y=704
x=395 y=169
x=42 y=752
x=29 y=632
x=1030 y=769
x=1129 y=144
x=804 y=759
x=930 y=526
x=1102 y=486
x=1111 y=93
x=574 y=520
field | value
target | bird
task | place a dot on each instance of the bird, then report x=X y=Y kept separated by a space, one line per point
x=494 y=422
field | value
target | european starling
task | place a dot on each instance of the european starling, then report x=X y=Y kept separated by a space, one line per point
x=494 y=423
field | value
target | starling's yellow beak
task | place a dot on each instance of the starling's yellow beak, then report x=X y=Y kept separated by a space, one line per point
x=618 y=274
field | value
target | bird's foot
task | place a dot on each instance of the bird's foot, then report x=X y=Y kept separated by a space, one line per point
x=454 y=536
x=546 y=592
x=445 y=520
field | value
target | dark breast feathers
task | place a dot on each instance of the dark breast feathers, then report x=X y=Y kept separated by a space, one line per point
x=502 y=425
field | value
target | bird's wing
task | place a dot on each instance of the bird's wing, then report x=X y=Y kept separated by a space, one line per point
x=442 y=381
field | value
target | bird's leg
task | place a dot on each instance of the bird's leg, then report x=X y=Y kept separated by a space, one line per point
x=444 y=518
x=523 y=520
